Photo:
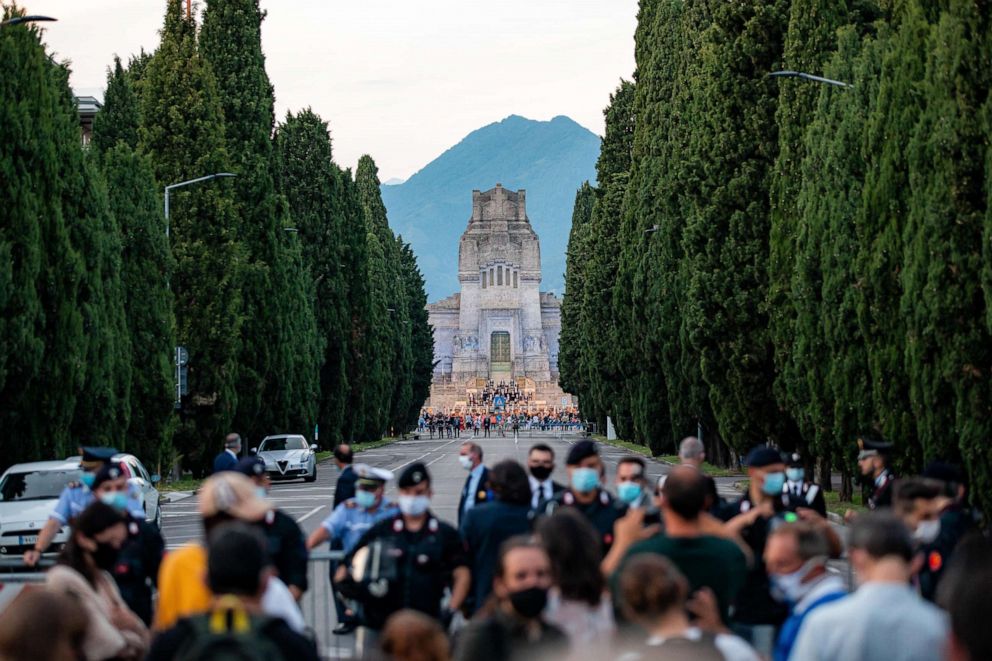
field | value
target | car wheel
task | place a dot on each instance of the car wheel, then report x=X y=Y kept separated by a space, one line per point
x=312 y=477
x=158 y=517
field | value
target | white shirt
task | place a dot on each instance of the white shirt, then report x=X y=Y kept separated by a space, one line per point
x=731 y=647
x=278 y=602
x=540 y=491
x=880 y=621
x=232 y=453
x=829 y=584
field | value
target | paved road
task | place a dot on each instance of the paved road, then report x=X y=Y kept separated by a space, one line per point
x=309 y=504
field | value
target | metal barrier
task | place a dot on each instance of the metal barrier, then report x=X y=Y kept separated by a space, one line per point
x=318 y=608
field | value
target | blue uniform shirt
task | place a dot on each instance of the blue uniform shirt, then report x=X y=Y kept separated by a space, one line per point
x=348 y=524
x=75 y=498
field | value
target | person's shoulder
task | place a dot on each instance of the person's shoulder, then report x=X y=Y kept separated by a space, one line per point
x=184 y=557
x=734 y=648
x=659 y=543
x=290 y=643
x=168 y=643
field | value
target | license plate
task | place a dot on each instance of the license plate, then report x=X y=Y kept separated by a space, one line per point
x=28 y=540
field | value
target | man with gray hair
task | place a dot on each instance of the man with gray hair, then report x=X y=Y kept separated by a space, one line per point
x=227 y=459
x=885 y=618
x=693 y=453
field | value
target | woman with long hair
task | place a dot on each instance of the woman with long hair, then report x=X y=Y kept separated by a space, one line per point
x=113 y=631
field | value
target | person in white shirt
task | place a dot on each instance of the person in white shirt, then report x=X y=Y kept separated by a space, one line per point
x=655 y=595
x=885 y=618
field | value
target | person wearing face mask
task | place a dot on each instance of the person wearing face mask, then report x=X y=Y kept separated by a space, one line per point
x=585 y=474
x=516 y=630
x=541 y=464
x=283 y=536
x=409 y=559
x=632 y=489
x=352 y=519
x=756 y=613
x=918 y=501
x=75 y=497
x=113 y=630
x=796 y=557
x=136 y=569
x=798 y=492
x=476 y=489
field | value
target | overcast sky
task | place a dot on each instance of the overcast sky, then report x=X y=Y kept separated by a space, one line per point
x=402 y=80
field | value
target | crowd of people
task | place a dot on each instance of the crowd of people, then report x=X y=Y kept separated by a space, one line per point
x=504 y=394
x=499 y=423
x=531 y=568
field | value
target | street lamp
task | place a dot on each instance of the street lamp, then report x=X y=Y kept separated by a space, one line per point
x=17 y=20
x=809 y=76
x=169 y=189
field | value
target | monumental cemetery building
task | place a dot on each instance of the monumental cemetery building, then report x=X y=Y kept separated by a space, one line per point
x=500 y=327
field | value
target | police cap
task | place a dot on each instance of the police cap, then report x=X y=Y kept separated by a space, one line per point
x=106 y=473
x=795 y=460
x=371 y=476
x=413 y=475
x=93 y=456
x=762 y=456
x=872 y=447
x=579 y=451
x=251 y=466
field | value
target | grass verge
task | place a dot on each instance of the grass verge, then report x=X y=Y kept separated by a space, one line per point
x=361 y=447
x=838 y=506
x=708 y=468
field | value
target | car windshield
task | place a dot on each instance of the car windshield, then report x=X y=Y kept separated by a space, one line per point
x=278 y=444
x=36 y=485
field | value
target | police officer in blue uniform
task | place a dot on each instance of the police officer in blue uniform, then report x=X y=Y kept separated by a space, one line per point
x=75 y=497
x=411 y=559
x=350 y=520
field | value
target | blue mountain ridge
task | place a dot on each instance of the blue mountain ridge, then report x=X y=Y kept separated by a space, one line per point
x=549 y=159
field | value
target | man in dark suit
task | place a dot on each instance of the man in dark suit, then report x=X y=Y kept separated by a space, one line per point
x=345 y=489
x=800 y=493
x=541 y=464
x=227 y=460
x=488 y=525
x=476 y=489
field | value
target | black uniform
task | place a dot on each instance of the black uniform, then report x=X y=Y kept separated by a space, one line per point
x=413 y=568
x=286 y=547
x=881 y=496
x=602 y=512
x=809 y=496
x=136 y=569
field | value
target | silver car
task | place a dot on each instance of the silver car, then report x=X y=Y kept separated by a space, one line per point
x=28 y=493
x=288 y=456
x=141 y=485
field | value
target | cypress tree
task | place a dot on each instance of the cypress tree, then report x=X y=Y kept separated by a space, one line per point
x=270 y=380
x=421 y=334
x=183 y=133
x=571 y=339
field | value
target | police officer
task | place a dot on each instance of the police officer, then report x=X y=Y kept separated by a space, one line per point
x=75 y=497
x=350 y=520
x=136 y=569
x=585 y=474
x=412 y=557
x=873 y=461
x=798 y=493
x=284 y=539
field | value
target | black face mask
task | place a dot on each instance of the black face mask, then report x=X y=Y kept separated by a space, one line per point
x=530 y=602
x=540 y=473
x=105 y=556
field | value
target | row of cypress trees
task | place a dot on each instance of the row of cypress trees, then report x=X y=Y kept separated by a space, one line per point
x=298 y=306
x=776 y=259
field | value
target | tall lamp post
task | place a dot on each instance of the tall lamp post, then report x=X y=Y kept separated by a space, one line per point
x=171 y=187
x=17 y=20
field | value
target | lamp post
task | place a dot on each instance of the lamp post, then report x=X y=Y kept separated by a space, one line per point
x=17 y=20
x=171 y=187
x=810 y=77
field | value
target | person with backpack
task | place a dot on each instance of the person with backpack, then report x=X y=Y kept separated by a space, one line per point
x=234 y=626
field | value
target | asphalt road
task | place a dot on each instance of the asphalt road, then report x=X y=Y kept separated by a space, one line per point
x=310 y=503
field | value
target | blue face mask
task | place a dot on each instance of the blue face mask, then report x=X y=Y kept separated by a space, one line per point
x=88 y=479
x=795 y=474
x=364 y=499
x=629 y=492
x=585 y=480
x=773 y=484
x=116 y=499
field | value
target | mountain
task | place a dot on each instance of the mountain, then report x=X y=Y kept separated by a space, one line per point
x=549 y=159
x=395 y=181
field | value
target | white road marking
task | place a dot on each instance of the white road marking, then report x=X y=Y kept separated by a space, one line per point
x=434 y=461
x=410 y=462
x=310 y=513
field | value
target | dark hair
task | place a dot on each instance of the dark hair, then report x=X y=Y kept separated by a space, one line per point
x=42 y=622
x=650 y=586
x=512 y=544
x=235 y=560
x=881 y=534
x=964 y=591
x=91 y=522
x=509 y=482
x=907 y=491
x=474 y=448
x=344 y=454
x=411 y=635
x=634 y=460
x=685 y=492
x=575 y=550
x=541 y=447
x=810 y=540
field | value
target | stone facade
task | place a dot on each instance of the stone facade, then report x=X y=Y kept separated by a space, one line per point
x=500 y=326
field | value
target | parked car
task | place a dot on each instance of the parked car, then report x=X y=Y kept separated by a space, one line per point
x=288 y=456
x=142 y=485
x=28 y=493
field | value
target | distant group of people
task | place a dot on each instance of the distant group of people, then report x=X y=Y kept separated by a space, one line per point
x=452 y=425
x=510 y=395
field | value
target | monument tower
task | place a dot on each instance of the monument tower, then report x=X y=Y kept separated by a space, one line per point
x=500 y=327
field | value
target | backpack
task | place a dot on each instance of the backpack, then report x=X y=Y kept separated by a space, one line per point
x=229 y=633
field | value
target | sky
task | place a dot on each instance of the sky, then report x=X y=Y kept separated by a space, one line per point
x=401 y=80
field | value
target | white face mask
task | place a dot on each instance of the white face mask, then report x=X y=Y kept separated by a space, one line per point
x=466 y=461
x=790 y=587
x=414 y=505
x=927 y=531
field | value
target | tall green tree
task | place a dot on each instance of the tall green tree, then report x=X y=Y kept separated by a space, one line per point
x=278 y=365
x=183 y=133
x=571 y=356
x=146 y=267
x=421 y=334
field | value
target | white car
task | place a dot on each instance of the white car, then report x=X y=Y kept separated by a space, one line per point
x=28 y=493
x=288 y=456
x=141 y=485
